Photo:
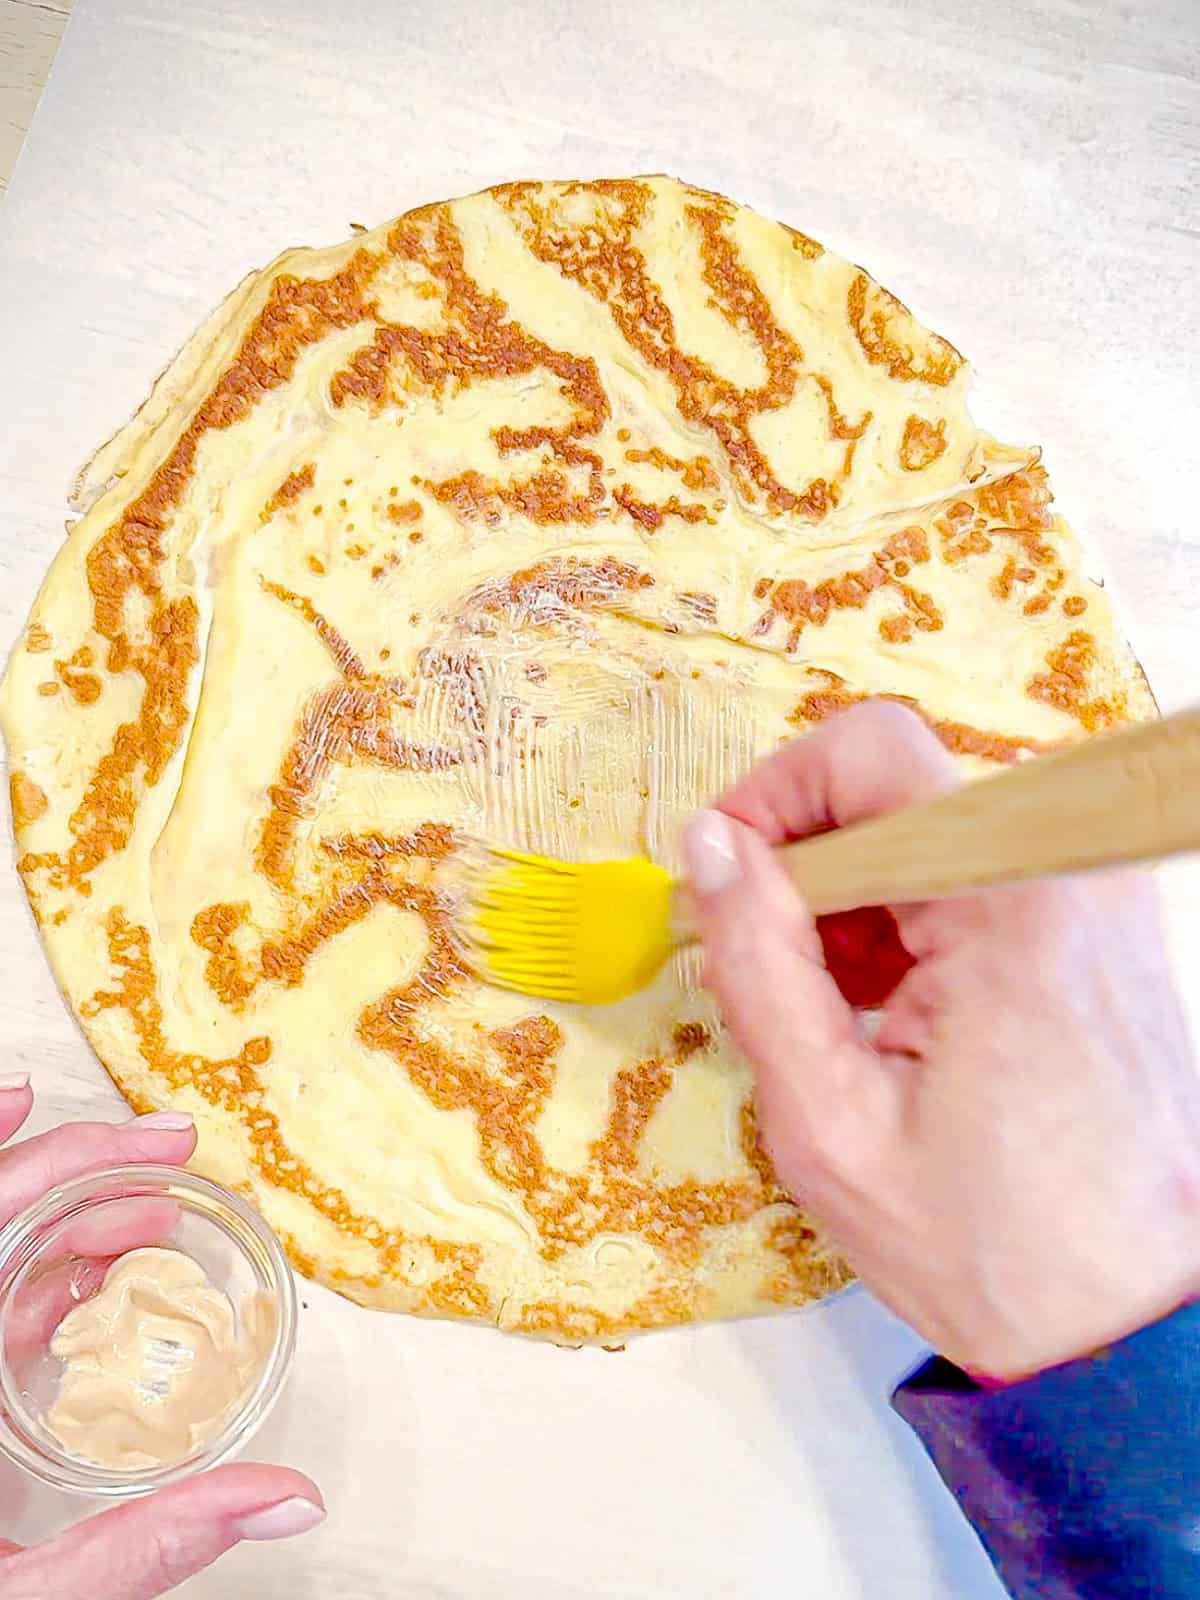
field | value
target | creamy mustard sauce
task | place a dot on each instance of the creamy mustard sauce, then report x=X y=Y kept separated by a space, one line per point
x=155 y=1362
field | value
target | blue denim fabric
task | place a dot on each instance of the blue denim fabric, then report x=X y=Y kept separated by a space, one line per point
x=1084 y=1482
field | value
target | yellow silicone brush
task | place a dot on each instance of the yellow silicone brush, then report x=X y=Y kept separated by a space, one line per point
x=594 y=932
x=584 y=932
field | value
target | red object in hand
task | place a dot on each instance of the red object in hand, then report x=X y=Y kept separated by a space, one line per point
x=864 y=954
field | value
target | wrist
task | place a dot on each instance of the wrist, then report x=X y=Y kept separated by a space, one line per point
x=1083 y=1338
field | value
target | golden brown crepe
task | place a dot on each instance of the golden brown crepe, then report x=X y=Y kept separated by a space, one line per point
x=537 y=514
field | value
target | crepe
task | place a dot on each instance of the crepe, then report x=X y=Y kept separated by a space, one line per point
x=537 y=515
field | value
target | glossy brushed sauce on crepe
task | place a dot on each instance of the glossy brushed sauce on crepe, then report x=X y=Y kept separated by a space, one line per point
x=538 y=514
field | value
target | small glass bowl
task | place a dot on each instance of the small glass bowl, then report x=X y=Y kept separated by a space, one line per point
x=57 y=1253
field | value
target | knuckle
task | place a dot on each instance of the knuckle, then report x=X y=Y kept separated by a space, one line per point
x=728 y=951
x=888 y=717
x=74 y=1146
x=37 y=1164
x=166 y=1560
x=891 y=730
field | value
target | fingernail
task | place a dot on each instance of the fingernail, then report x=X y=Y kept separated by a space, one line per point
x=289 y=1517
x=10 y=1082
x=163 y=1122
x=710 y=848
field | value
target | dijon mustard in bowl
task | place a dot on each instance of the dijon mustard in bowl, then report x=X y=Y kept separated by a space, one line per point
x=147 y=1327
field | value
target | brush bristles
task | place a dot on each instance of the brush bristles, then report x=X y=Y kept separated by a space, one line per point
x=575 y=932
x=521 y=920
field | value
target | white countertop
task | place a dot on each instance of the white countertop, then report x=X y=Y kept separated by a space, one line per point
x=1025 y=174
x=30 y=31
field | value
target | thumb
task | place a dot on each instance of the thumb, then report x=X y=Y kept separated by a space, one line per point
x=764 y=963
x=142 y=1550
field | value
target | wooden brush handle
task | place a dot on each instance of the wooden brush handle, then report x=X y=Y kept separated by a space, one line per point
x=1123 y=797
